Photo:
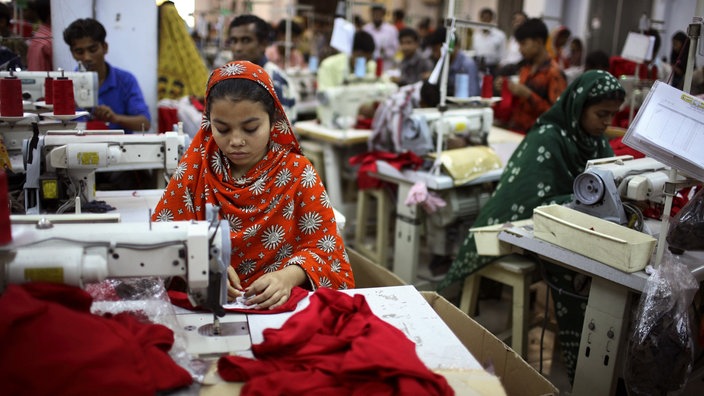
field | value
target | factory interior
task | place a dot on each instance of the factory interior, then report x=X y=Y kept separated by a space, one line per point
x=467 y=197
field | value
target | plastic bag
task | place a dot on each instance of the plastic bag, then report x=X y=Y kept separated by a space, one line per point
x=686 y=231
x=660 y=352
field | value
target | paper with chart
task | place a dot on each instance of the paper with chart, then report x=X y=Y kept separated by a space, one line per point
x=669 y=127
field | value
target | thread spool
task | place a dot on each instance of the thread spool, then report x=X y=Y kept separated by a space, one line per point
x=360 y=67
x=487 y=86
x=5 y=230
x=63 y=97
x=11 y=97
x=379 y=67
x=462 y=85
x=49 y=90
x=313 y=63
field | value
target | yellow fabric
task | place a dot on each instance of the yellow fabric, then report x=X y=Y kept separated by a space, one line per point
x=182 y=71
x=468 y=163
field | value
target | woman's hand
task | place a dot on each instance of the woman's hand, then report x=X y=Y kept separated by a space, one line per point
x=518 y=89
x=274 y=289
x=234 y=287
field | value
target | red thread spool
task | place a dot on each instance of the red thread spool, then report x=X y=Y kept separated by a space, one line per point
x=5 y=230
x=11 y=97
x=379 y=67
x=49 y=90
x=487 y=86
x=63 y=97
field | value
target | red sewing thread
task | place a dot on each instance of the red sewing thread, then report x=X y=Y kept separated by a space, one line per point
x=487 y=86
x=11 y=97
x=49 y=90
x=63 y=97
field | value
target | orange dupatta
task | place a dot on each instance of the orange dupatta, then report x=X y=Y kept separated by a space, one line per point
x=279 y=212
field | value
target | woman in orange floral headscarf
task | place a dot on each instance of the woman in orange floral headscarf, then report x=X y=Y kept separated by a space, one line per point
x=246 y=160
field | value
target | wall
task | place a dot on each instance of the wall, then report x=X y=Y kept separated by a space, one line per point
x=131 y=27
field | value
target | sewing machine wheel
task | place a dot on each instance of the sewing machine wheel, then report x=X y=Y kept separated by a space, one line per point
x=588 y=188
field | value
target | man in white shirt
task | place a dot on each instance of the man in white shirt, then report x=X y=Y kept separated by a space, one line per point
x=385 y=36
x=489 y=44
x=513 y=54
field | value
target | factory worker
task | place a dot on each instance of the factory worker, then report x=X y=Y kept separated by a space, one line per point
x=246 y=160
x=121 y=103
x=540 y=172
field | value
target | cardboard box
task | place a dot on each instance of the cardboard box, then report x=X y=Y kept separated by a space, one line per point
x=370 y=274
x=612 y=244
x=517 y=376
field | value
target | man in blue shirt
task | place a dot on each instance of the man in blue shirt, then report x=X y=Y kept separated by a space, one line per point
x=121 y=104
x=248 y=37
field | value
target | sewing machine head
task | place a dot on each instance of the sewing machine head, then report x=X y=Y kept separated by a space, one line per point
x=338 y=106
x=61 y=165
x=606 y=183
x=473 y=123
x=78 y=254
x=85 y=85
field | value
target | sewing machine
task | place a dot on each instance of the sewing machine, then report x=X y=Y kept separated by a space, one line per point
x=338 y=106
x=605 y=183
x=61 y=165
x=305 y=84
x=85 y=86
x=14 y=132
x=474 y=123
x=78 y=254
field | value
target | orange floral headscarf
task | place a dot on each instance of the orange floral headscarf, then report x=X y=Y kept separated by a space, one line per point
x=279 y=212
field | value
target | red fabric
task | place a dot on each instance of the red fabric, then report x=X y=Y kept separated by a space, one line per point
x=367 y=163
x=168 y=116
x=620 y=148
x=619 y=66
x=339 y=347
x=52 y=345
x=502 y=109
x=93 y=125
x=180 y=299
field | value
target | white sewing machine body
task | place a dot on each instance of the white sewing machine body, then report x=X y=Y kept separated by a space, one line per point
x=338 y=106
x=473 y=122
x=85 y=85
x=77 y=254
x=71 y=158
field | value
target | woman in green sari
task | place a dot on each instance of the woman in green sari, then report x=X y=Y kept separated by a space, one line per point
x=541 y=172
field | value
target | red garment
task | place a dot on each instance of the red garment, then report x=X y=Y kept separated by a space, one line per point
x=367 y=163
x=334 y=346
x=180 y=299
x=546 y=82
x=52 y=345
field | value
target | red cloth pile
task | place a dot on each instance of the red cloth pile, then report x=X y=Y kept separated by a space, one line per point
x=52 y=345
x=336 y=346
x=367 y=163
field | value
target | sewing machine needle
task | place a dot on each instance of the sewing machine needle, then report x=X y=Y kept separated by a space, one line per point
x=216 y=325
